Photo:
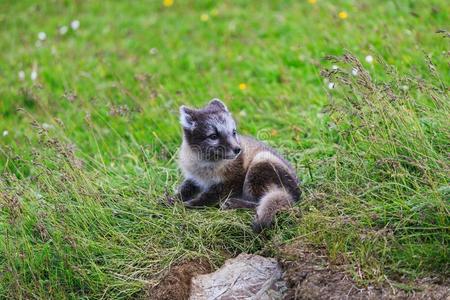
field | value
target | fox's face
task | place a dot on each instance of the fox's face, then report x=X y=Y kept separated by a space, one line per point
x=210 y=131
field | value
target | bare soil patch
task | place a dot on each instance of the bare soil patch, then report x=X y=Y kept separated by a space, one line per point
x=177 y=283
x=310 y=275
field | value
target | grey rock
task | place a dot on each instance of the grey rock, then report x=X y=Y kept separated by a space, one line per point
x=244 y=277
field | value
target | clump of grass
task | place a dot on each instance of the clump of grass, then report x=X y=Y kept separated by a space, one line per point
x=73 y=229
x=383 y=204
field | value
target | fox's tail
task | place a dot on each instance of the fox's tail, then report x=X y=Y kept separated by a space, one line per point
x=273 y=201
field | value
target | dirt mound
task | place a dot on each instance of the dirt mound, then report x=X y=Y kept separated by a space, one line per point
x=309 y=275
x=177 y=283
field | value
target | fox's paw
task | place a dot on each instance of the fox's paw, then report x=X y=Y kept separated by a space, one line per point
x=188 y=204
x=170 y=200
x=167 y=199
x=226 y=205
x=194 y=204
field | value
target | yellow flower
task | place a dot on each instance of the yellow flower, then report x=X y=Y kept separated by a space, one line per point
x=273 y=132
x=343 y=15
x=204 y=17
x=167 y=3
x=312 y=1
x=406 y=58
x=242 y=86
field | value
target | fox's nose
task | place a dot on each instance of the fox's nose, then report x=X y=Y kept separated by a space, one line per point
x=237 y=150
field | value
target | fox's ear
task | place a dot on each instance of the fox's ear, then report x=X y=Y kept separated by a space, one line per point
x=219 y=104
x=187 y=118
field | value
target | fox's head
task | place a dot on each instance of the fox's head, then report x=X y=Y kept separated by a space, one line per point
x=210 y=131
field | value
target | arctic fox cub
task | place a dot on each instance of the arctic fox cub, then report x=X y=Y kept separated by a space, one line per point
x=219 y=165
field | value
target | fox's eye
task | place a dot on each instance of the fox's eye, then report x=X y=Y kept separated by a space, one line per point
x=213 y=136
x=234 y=131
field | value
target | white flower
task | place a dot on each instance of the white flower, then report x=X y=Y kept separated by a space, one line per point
x=5 y=132
x=232 y=26
x=46 y=126
x=75 y=24
x=21 y=75
x=404 y=88
x=204 y=17
x=153 y=51
x=63 y=30
x=354 y=71
x=42 y=36
x=280 y=18
x=331 y=85
x=369 y=59
x=334 y=67
x=33 y=75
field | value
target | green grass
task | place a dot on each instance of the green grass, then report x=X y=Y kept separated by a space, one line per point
x=90 y=153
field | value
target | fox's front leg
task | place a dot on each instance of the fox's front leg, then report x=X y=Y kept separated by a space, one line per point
x=210 y=196
x=187 y=190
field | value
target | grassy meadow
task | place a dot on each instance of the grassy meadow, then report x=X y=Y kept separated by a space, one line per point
x=354 y=93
